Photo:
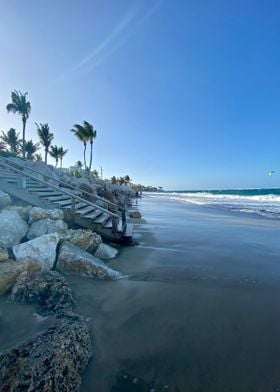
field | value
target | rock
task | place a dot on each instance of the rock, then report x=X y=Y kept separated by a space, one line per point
x=85 y=239
x=5 y=200
x=12 y=228
x=105 y=252
x=76 y=261
x=47 y=226
x=51 y=360
x=37 y=213
x=23 y=211
x=48 y=289
x=135 y=214
x=4 y=254
x=42 y=249
x=9 y=271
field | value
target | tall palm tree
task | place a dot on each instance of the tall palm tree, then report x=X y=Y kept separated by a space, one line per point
x=54 y=153
x=62 y=154
x=81 y=134
x=45 y=137
x=91 y=133
x=30 y=149
x=21 y=106
x=11 y=139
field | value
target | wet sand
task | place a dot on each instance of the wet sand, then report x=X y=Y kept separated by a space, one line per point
x=199 y=310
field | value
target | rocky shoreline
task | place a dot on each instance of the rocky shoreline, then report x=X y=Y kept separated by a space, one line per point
x=36 y=246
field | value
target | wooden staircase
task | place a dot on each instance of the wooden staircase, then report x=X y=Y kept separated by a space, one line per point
x=23 y=183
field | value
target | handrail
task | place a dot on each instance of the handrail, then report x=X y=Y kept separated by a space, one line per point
x=59 y=189
x=72 y=186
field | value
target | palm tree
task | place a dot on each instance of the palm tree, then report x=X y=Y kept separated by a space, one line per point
x=81 y=133
x=127 y=179
x=62 y=154
x=91 y=133
x=79 y=165
x=11 y=139
x=21 y=106
x=30 y=149
x=45 y=137
x=54 y=152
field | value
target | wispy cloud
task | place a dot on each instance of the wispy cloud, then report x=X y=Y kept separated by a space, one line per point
x=119 y=35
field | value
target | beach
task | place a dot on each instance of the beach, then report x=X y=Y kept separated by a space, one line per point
x=199 y=310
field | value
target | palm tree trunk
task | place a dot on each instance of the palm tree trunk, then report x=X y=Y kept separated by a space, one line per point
x=60 y=163
x=56 y=162
x=23 y=135
x=46 y=156
x=85 y=163
x=90 y=162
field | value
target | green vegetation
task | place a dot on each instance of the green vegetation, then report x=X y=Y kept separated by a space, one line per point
x=21 y=106
x=30 y=149
x=11 y=140
x=85 y=133
x=45 y=137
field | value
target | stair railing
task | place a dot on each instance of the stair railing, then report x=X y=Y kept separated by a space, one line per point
x=120 y=208
x=115 y=217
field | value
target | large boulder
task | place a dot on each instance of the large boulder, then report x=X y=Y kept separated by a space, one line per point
x=47 y=226
x=37 y=213
x=76 y=261
x=47 y=289
x=5 y=200
x=12 y=228
x=105 y=252
x=10 y=270
x=42 y=249
x=85 y=239
x=51 y=360
x=23 y=211
x=4 y=254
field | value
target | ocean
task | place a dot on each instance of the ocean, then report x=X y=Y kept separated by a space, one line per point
x=265 y=202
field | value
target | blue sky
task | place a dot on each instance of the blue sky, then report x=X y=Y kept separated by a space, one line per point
x=183 y=94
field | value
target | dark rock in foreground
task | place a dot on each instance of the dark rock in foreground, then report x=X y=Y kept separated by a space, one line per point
x=48 y=289
x=51 y=360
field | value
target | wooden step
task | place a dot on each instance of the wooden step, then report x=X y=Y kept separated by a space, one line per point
x=102 y=219
x=64 y=203
x=50 y=194
x=85 y=210
x=60 y=197
x=92 y=215
x=39 y=189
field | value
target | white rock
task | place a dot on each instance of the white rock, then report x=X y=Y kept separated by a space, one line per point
x=12 y=228
x=47 y=226
x=42 y=249
x=105 y=252
x=37 y=213
x=5 y=200
x=75 y=261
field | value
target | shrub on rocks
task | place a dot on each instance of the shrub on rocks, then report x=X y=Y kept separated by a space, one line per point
x=51 y=360
x=10 y=270
x=47 y=289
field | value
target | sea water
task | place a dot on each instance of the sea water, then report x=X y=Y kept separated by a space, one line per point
x=265 y=202
x=199 y=310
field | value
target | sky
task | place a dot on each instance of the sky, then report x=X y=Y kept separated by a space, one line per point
x=184 y=94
